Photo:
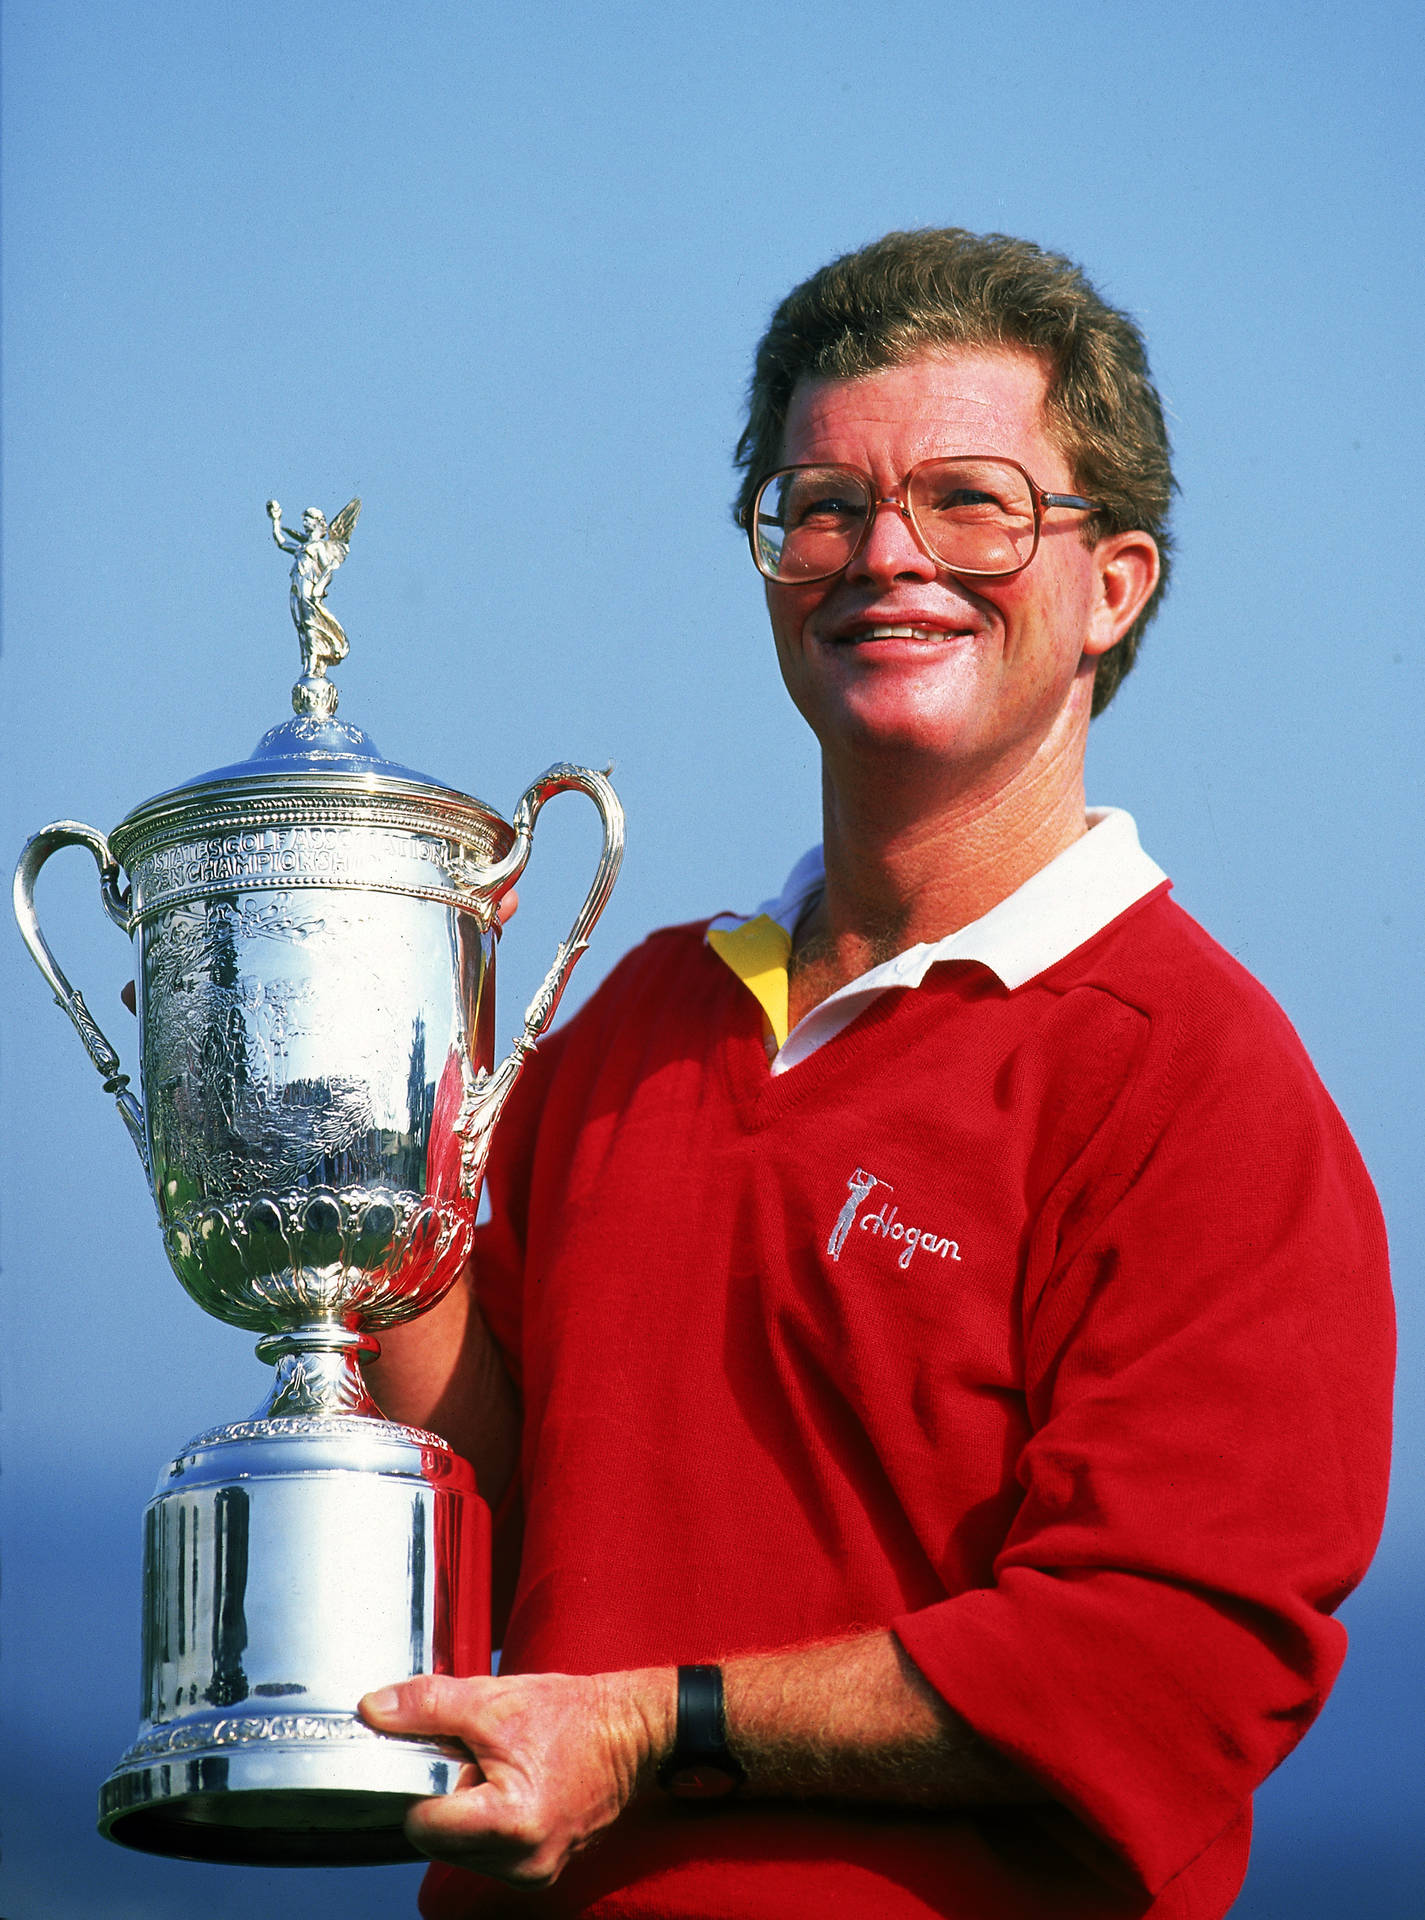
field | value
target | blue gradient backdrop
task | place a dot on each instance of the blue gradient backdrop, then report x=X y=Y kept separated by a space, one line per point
x=435 y=254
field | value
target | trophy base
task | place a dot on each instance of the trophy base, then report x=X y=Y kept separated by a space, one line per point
x=275 y=1803
x=290 y=1566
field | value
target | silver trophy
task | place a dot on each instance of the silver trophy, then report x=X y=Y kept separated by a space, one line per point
x=315 y=934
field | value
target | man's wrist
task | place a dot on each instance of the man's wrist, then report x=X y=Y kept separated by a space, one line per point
x=641 y=1706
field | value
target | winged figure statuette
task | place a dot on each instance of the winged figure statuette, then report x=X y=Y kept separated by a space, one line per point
x=319 y=550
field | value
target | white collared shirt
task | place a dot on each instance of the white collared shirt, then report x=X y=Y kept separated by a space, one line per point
x=1080 y=891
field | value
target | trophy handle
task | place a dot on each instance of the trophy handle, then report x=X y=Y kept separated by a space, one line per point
x=73 y=833
x=486 y=1093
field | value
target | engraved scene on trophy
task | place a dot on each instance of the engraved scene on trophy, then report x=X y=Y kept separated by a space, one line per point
x=305 y=1054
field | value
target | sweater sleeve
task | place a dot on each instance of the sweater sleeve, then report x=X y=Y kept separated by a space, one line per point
x=502 y=1238
x=1207 y=1367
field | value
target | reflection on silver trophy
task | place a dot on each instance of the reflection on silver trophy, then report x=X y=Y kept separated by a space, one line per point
x=315 y=933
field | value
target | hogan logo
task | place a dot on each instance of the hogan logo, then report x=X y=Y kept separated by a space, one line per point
x=886 y=1223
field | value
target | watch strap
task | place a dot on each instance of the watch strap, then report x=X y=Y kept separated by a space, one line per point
x=701 y=1767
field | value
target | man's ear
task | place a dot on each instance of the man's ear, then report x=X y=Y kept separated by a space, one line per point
x=1128 y=566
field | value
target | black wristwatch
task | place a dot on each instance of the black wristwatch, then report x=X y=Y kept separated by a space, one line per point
x=700 y=1766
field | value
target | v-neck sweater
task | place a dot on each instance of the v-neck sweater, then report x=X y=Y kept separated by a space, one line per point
x=1047 y=1326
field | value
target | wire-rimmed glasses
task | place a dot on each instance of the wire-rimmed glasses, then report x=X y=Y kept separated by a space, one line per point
x=974 y=514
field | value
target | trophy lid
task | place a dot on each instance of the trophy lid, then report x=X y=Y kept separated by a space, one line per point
x=317 y=763
x=310 y=747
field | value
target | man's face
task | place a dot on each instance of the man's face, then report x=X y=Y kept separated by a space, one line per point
x=896 y=655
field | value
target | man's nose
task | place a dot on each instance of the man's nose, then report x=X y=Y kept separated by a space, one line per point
x=891 y=549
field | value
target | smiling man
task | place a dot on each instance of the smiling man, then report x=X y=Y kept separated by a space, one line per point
x=940 y=1320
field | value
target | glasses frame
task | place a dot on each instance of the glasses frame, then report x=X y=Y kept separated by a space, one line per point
x=901 y=502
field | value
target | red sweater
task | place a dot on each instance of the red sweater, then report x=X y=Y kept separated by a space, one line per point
x=1086 y=1395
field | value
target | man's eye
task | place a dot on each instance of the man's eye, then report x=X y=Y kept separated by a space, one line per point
x=967 y=499
x=823 y=508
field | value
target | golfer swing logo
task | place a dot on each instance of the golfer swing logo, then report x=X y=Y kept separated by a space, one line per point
x=885 y=1224
x=860 y=1184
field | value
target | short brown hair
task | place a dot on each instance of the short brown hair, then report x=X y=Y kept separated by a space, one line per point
x=910 y=293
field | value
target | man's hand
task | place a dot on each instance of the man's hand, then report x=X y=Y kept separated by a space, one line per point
x=557 y=1757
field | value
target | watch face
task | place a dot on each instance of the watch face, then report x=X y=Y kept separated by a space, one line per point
x=701 y=1782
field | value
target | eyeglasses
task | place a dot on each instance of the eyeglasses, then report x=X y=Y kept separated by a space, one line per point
x=974 y=514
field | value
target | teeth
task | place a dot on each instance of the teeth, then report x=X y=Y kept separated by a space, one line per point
x=902 y=633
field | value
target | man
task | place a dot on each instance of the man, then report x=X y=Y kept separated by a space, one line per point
x=946 y=1317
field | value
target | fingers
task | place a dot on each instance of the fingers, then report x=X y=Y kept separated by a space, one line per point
x=488 y=1829
x=557 y=1757
x=507 y=905
x=431 y=1703
x=130 y=996
x=504 y=1819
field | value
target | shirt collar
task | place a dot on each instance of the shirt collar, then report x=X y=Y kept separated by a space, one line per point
x=1080 y=891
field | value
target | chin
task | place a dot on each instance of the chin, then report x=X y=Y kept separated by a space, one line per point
x=911 y=737
x=917 y=719
x=886 y=698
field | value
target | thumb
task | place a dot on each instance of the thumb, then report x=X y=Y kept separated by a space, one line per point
x=431 y=1703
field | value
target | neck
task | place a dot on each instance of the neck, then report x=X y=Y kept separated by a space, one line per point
x=916 y=851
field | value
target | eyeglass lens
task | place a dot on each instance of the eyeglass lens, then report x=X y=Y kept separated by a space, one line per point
x=977 y=515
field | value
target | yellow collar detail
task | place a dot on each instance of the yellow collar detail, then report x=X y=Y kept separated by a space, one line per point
x=758 y=952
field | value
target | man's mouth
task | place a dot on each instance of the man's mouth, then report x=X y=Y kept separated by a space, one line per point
x=899 y=630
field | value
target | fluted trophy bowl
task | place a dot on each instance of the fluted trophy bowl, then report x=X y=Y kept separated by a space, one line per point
x=314 y=935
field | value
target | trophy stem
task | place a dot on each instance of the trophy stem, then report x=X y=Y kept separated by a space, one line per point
x=318 y=1372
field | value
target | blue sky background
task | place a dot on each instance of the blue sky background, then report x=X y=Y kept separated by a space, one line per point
x=461 y=259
